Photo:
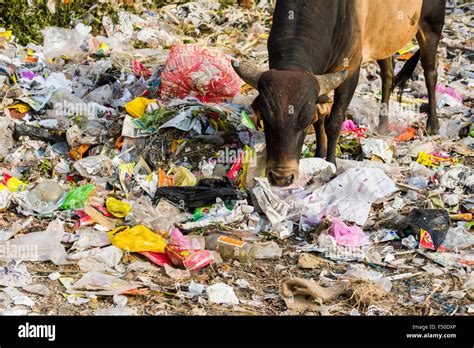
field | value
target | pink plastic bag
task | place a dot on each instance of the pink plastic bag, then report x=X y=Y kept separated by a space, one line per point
x=205 y=73
x=179 y=239
x=348 y=126
x=347 y=235
x=449 y=91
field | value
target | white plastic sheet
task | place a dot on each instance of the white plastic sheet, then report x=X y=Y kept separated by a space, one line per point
x=350 y=195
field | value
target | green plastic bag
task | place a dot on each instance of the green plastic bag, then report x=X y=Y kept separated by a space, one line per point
x=75 y=199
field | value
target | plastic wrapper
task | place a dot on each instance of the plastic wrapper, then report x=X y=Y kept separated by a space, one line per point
x=188 y=258
x=458 y=238
x=427 y=243
x=176 y=273
x=11 y=183
x=349 y=127
x=433 y=222
x=361 y=272
x=407 y=135
x=265 y=250
x=90 y=238
x=238 y=171
x=181 y=252
x=433 y=161
x=160 y=219
x=204 y=72
x=5 y=198
x=117 y=208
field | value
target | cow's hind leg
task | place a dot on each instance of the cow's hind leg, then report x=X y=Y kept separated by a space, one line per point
x=386 y=72
x=431 y=27
x=342 y=98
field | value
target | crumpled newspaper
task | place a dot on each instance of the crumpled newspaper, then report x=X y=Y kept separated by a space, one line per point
x=273 y=207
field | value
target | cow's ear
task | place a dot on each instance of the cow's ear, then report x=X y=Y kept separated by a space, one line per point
x=248 y=72
x=329 y=82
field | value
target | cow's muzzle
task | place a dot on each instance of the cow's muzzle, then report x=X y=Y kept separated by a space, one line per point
x=281 y=178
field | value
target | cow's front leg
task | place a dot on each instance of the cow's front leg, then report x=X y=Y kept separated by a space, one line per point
x=342 y=98
x=386 y=72
x=323 y=110
x=321 y=139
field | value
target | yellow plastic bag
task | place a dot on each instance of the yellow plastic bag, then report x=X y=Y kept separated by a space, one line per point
x=136 y=239
x=137 y=106
x=117 y=208
x=182 y=176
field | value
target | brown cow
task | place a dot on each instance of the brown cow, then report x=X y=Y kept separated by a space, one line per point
x=318 y=46
x=245 y=3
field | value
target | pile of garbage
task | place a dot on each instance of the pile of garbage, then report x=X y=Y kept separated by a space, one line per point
x=132 y=180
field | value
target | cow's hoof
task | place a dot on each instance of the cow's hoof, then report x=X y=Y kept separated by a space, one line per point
x=432 y=129
x=331 y=160
x=382 y=129
x=321 y=153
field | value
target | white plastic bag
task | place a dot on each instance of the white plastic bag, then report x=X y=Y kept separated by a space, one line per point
x=72 y=43
x=350 y=195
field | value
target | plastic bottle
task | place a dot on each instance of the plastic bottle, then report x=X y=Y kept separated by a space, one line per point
x=265 y=250
x=229 y=248
x=236 y=249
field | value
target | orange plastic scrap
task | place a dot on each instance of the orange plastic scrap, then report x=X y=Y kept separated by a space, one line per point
x=31 y=59
x=163 y=179
x=461 y=217
x=78 y=152
x=119 y=142
x=407 y=135
x=467 y=262
x=405 y=56
x=143 y=291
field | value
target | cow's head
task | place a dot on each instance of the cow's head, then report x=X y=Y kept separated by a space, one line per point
x=287 y=104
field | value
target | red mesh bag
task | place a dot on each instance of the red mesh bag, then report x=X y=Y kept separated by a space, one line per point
x=205 y=73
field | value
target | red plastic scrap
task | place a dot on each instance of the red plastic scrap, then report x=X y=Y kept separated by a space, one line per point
x=156 y=258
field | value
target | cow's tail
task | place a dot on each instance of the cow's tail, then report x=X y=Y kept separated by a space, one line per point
x=404 y=75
